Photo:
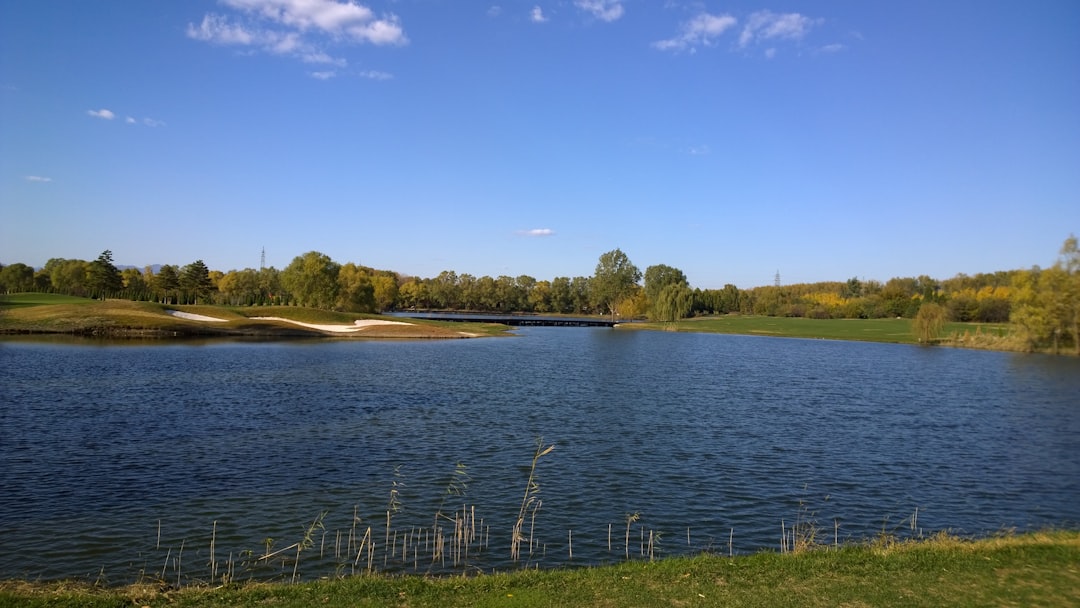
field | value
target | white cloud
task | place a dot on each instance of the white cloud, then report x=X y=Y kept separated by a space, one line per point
x=702 y=30
x=537 y=232
x=345 y=19
x=494 y=11
x=102 y=113
x=38 y=179
x=298 y=28
x=832 y=48
x=376 y=75
x=604 y=10
x=536 y=15
x=129 y=120
x=217 y=29
x=150 y=122
x=327 y=75
x=767 y=25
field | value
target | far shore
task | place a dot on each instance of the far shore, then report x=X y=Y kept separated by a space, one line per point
x=46 y=314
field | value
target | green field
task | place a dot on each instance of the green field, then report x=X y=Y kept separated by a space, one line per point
x=33 y=313
x=896 y=331
x=1041 y=569
x=38 y=299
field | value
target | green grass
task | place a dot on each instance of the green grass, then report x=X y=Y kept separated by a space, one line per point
x=16 y=300
x=47 y=313
x=1039 y=569
x=897 y=331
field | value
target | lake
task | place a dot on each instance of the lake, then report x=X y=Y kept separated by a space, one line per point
x=188 y=461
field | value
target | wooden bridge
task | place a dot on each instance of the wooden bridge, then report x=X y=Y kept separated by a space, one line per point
x=511 y=320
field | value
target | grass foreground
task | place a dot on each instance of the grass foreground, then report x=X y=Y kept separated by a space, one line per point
x=1035 y=569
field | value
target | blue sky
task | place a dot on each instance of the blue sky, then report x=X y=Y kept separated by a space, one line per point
x=732 y=140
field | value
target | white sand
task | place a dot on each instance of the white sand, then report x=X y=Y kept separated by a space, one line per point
x=358 y=325
x=194 y=317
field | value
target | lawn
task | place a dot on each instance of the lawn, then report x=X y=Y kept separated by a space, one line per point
x=870 y=330
x=1038 y=569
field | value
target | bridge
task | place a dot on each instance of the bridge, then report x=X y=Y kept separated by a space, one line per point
x=511 y=320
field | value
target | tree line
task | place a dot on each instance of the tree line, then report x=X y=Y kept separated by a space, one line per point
x=1043 y=304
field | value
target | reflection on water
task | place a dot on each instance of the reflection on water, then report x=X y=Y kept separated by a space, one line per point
x=112 y=456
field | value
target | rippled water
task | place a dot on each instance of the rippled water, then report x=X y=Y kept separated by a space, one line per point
x=118 y=459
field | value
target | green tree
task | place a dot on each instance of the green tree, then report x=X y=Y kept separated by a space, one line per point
x=195 y=280
x=613 y=281
x=166 y=282
x=385 y=285
x=657 y=278
x=413 y=294
x=71 y=277
x=562 y=296
x=135 y=286
x=16 y=278
x=355 y=290
x=1069 y=262
x=240 y=287
x=1046 y=303
x=673 y=303
x=929 y=322
x=312 y=280
x=104 y=277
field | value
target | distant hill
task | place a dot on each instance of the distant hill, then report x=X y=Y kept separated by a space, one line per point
x=155 y=268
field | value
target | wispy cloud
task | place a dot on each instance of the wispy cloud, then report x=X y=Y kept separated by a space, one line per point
x=832 y=48
x=604 y=10
x=298 y=28
x=102 y=113
x=767 y=25
x=494 y=11
x=327 y=75
x=537 y=232
x=149 y=122
x=761 y=27
x=536 y=15
x=702 y=30
x=376 y=75
x=38 y=179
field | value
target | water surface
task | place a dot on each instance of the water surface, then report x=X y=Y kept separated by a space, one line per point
x=113 y=455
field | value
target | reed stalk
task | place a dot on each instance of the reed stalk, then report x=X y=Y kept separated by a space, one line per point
x=630 y=519
x=213 y=561
x=532 y=490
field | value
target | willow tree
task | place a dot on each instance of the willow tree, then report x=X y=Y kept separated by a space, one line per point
x=657 y=279
x=674 y=302
x=929 y=322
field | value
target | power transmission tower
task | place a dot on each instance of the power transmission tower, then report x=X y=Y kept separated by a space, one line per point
x=262 y=260
x=777 y=278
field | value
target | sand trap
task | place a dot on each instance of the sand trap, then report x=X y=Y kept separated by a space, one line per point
x=358 y=325
x=194 y=317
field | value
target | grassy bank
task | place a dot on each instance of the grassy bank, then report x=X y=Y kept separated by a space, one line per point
x=1039 y=569
x=896 y=331
x=34 y=313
